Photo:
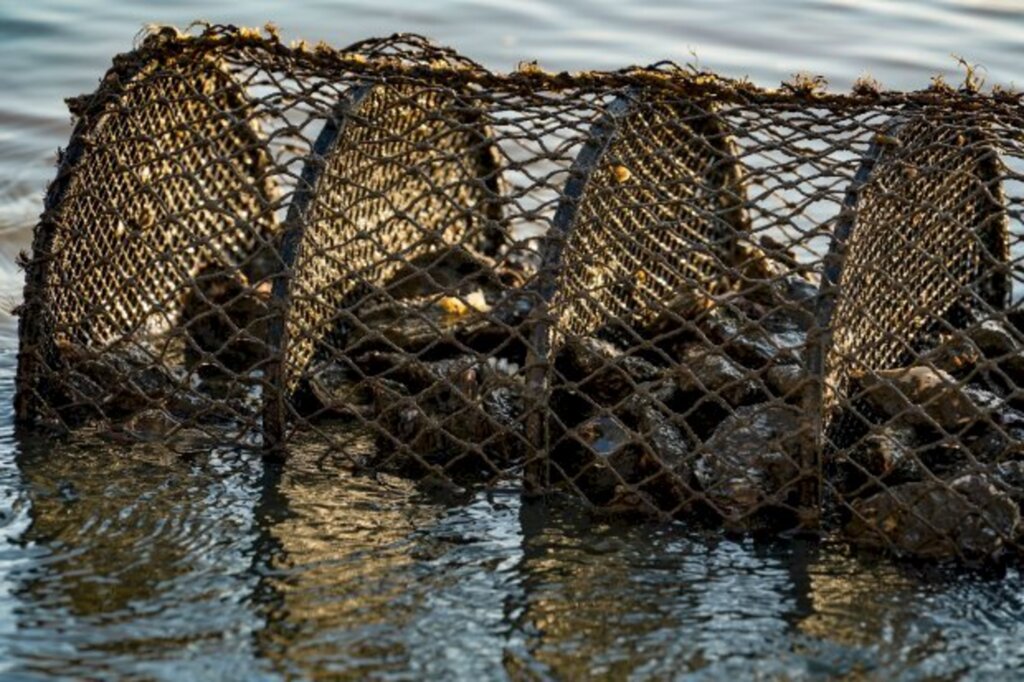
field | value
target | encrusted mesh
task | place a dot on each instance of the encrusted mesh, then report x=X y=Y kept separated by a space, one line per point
x=655 y=208
x=391 y=182
x=922 y=243
x=921 y=419
x=657 y=291
x=163 y=188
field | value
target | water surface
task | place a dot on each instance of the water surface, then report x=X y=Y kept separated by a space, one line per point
x=135 y=563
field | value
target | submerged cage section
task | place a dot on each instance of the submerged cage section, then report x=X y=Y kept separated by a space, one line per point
x=660 y=292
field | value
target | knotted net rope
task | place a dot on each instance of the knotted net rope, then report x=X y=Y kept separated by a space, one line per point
x=656 y=290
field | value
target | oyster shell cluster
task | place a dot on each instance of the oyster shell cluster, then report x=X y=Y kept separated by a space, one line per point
x=696 y=415
x=434 y=368
x=699 y=414
x=930 y=456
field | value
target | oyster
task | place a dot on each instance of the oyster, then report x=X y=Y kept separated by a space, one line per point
x=750 y=463
x=635 y=460
x=968 y=518
x=704 y=370
x=886 y=456
x=920 y=395
x=460 y=415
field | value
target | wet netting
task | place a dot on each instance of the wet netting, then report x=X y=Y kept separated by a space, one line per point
x=656 y=291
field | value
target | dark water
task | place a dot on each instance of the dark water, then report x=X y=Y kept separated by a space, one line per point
x=132 y=563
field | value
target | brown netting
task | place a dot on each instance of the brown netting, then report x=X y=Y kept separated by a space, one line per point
x=402 y=175
x=921 y=243
x=653 y=210
x=922 y=428
x=660 y=292
x=163 y=188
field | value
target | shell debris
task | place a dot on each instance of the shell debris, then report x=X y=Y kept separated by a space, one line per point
x=463 y=305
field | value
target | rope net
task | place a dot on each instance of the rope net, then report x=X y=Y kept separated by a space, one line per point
x=660 y=292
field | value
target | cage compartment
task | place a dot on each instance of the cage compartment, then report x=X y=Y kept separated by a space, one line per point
x=153 y=232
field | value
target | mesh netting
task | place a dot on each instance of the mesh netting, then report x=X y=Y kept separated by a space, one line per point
x=656 y=181
x=663 y=293
x=163 y=189
x=924 y=242
x=420 y=163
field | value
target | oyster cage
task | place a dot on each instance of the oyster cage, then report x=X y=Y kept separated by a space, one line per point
x=661 y=292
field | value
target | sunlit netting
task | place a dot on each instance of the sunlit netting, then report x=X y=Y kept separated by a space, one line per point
x=663 y=293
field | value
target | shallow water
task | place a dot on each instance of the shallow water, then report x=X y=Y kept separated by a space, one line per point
x=137 y=564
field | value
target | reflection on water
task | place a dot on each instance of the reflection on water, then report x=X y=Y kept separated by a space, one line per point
x=133 y=556
x=140 y=562
x=132 y=561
